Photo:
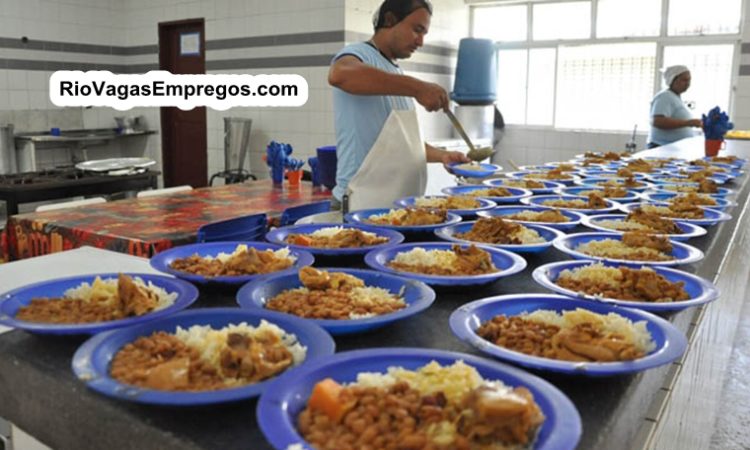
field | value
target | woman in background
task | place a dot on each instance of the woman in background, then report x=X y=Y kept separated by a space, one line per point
x=670 y=118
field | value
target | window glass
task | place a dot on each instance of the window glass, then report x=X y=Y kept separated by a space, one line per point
x=500 y=23
x=698 y=17
x=710 y=72
x=604 y=87
x=511 y=85
x=562 y=21
x=541 y=92
x=621 y=18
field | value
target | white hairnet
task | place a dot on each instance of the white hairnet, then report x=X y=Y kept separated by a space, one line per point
x=672 y=72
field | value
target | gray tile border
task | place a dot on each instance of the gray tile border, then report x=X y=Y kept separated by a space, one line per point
x=211 y=65
x=322 y=37
x=745 y=47
x=426 y=68
x=268 y=63
x=745 y=70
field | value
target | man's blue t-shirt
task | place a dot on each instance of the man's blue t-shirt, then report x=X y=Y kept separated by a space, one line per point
x=360 y=118
x=668 y=104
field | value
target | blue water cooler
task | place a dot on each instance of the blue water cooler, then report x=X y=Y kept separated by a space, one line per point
x=476 y=73
x=475 y=87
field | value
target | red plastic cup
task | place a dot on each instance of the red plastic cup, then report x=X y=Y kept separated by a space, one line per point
x=713 y=146
x=294 y=177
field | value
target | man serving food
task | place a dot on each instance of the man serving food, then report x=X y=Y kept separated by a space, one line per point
x=380 y=151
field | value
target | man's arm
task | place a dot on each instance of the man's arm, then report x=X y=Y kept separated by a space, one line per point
x=435 y=154
x=355 y=77
x=669 y=123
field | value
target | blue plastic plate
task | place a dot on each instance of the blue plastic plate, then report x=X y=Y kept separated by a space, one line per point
x=482 y=170
x=670 y=342
x=522 y=174
x=609 y=173
x=632 y=196
x=361 y=216
x=597 y=182
x=279 y=235
x=730 y=173
x=722 y=204
x=710 y=216
x=548 y=234
x=664 y=188
x=700 y=291
x=484 y=204
x=417 y=295
x=575 y=217
x=683 y=253
x=549 y=186
x=689 y=230
x=739 y=162
x=516 y=193
x=162 y=261
x=538 y=200
x=670 y=178
x=278 y=408
x=577 y=169
x=507 y=262
x=12 y=301
x=576 y=162
x=92 y=359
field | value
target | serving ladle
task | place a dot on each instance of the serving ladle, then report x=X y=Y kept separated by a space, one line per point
x=475 y=153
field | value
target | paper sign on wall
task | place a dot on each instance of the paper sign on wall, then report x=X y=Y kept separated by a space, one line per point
x=190 y=44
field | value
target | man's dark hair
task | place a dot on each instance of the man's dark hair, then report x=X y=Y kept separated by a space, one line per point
x=400 y=9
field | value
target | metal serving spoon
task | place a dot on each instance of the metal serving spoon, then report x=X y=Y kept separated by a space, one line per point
x=475 y=154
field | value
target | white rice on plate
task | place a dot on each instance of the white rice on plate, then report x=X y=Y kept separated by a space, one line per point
x=418 y=256
x=622 y=225
x=612 y=323
x=328 y=232
x=282 y=253
x=106 y=290
x=455 y=381
x=614 y=249
x=210 y=342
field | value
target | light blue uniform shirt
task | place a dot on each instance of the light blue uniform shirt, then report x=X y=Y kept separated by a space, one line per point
x=360 y=118
x=668 y=104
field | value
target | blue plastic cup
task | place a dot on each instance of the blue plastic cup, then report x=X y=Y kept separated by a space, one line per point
x=54 y=131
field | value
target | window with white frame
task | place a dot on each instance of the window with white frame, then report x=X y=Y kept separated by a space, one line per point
x=621 y=18
x=563 y=77
x=710 y=73
x=500 y=23
x=701 y=17
x=604 y=87
x=570 y=20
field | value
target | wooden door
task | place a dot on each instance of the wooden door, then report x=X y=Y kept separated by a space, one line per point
x=184 y=141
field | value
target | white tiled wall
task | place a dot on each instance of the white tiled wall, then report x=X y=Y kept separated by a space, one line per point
x=522 y=145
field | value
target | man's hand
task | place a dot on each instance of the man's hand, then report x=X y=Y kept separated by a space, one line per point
x=454 y=157
x=432 y=96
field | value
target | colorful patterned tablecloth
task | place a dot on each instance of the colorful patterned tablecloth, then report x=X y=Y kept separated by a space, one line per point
x=148 y=225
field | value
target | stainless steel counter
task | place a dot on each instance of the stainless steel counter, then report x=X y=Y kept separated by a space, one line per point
x=27 y=144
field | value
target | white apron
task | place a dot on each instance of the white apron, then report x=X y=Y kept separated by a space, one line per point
x=395 y=167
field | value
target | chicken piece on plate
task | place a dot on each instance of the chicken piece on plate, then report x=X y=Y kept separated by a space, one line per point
x=640 y=239
x=134 y=300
